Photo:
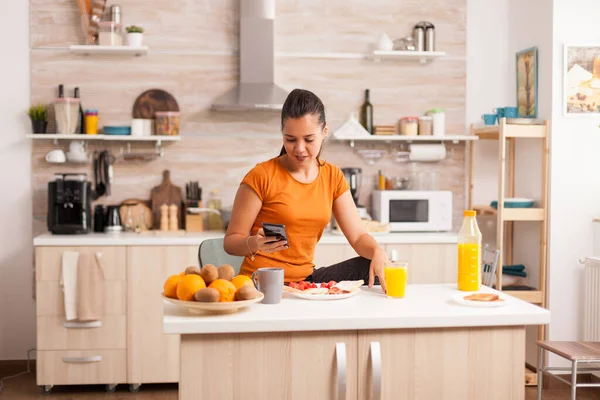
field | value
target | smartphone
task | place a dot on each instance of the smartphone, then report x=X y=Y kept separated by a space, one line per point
x=275 y=230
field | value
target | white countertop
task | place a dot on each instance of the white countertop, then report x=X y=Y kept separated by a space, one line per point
x=187 y=239
x=424 y=306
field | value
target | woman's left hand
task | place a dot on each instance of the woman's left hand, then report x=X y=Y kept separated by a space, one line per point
x=376 y=268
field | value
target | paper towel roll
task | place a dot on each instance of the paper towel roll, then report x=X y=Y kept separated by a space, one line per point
x=427 y=152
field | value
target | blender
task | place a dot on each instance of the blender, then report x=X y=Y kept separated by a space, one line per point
x=354 y=178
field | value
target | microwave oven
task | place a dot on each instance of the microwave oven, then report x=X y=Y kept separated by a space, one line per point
x=413 y=210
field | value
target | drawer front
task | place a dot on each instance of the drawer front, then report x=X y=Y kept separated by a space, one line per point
x=81 y=367
x=48 y=261
x=53 y=335
x=50 y=298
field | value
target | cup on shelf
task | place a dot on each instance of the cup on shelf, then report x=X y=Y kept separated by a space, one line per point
x=141 y=127
x=489 y=119
x=56 y=156
x=511 y=112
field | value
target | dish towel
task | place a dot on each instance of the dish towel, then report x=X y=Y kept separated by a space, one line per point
x=68 y=282
x=90 y=288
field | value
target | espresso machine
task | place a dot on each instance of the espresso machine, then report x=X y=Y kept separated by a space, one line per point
x=69 y=204
x=354 y=178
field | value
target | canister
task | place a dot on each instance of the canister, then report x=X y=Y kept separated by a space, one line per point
x=439 y=121
x=425 y=125
x=409 y=126
x=91 y=122
x=109 y=34
x=419 y=36
x=167 y=123
x=429 y=37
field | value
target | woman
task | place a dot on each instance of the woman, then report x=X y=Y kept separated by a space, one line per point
x=299 y=190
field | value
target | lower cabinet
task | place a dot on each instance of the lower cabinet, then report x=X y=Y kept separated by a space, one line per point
x=152 y=356
x=285 y=365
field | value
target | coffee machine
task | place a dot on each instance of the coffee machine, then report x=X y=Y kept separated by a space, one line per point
x=69 y=204
x=354 y=178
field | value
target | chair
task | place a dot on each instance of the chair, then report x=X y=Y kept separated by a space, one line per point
x=211 y=251
x=576 y=352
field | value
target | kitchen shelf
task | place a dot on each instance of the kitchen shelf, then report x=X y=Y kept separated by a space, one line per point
x=512 y=214
x=515 y=130
x=403 y=138
x=421 y=56
x=118 y=50
x=115 y=138
x=530 y=296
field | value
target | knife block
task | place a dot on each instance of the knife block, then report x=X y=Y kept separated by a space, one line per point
x=195 y=222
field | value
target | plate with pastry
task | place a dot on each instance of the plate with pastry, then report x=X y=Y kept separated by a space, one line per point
x=480 y=299
x=331 y=290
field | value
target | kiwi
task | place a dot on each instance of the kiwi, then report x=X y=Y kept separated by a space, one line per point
x=207 y=295
x=192 y=269
x=226 y=272
x=246 y=292
x=209 y=273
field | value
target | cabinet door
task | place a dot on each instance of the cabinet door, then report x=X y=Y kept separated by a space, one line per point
x=428 y=263
x=152 y=356
x=329 y=254
x=445 y=364
x=282 y=365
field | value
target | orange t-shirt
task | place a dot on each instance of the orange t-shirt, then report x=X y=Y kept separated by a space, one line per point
x=304 y=209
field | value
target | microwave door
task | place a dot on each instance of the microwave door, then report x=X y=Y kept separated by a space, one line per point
x=409 y=211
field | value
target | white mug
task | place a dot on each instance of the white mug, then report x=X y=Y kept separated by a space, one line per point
x=56 y=156
x=77 y=148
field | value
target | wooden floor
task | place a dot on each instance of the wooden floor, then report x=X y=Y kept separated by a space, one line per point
x=24 y=388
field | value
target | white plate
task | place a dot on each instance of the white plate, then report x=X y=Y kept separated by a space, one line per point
x=323 y=296
x=459 y=299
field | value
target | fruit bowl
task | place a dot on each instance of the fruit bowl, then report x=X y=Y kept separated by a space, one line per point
x=197 y=307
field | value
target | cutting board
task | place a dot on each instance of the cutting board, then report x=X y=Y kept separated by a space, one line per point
x=153 y=100
x=165 y=193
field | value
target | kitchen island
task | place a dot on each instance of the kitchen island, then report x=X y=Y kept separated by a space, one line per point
x=425 y=346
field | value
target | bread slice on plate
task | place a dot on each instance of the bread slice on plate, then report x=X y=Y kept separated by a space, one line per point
x=483 y=297
x=349 y=286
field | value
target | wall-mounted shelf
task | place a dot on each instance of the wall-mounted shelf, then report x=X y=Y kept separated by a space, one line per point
x=409 y=139
x=421 y=56
x=112 y=138
x=118 y=50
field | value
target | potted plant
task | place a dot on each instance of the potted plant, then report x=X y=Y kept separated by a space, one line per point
x=135 y=35
x=37 y=114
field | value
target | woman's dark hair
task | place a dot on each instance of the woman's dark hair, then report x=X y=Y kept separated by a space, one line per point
x=299 y=103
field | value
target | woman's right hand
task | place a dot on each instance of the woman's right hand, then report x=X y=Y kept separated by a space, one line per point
x=260 y=242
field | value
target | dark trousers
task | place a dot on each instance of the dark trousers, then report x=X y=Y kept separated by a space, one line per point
x=354 y=269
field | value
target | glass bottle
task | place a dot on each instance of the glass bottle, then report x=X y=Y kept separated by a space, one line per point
x=469 y=253
x=366 y=113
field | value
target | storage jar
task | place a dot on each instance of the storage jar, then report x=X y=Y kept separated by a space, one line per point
x=109 y=34
x=425 y=125
x=91 y=122
x=439 y=121
x=409 y=126
x=167 y=123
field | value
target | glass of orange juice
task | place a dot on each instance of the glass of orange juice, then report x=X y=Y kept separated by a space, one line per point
x=396 y=274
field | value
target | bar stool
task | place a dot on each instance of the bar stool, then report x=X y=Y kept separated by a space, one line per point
x=577 y=353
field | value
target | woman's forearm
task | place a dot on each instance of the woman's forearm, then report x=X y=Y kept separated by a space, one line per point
x=237 y=244
x=366 y=246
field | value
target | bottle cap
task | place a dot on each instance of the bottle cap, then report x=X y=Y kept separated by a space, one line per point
x=469 y=213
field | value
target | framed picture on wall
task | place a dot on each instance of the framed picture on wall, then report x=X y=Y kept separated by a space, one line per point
x=581 y=79
x=527 y=83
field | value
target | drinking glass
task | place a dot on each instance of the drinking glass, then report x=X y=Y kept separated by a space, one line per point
x=396 y=274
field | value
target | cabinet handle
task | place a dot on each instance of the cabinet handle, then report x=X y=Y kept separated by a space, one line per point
x=82 y=360
x=342 y=366
x=82 y=325
x=376 y=370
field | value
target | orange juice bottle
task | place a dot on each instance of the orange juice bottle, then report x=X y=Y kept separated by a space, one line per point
x=469 y=253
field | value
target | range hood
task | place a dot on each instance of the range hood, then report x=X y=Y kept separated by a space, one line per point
x=256 y=89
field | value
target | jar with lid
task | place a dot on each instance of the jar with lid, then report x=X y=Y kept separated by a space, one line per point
x=91 y=122
x=109 y=34
x=425 y=125
x=409 y=126
x=439 y=121
x=167 y=123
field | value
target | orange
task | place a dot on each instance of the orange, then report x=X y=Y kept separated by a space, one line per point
x=241 y=280
x=182 y=273
x=226 y=289
x=188 y=286
x=170 y=286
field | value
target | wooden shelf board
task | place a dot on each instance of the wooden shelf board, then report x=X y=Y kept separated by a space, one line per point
x=125 y=138
x=523 y=214
x=118 y=50
x=511 y=131
x=530 y=296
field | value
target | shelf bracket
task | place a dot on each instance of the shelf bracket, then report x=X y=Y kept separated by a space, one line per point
x=352 y=143
x=159 y=148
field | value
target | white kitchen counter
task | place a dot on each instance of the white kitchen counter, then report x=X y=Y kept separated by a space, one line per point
x=425 y=306
x=135 y=239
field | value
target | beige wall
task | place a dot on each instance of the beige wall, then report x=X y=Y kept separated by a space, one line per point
x=193 y=56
